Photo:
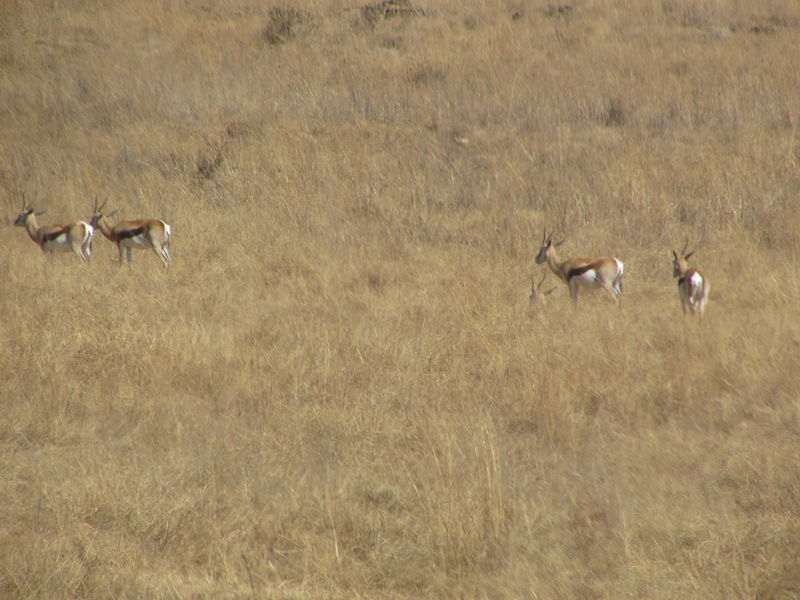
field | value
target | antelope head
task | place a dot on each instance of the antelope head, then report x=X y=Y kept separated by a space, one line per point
x=98 y=212
x=26 y=211
x=547 y=244
x=536 y=289
x=679 y=260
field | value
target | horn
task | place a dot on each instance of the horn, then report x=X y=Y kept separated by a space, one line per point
x=685 y=246
x=103 y=205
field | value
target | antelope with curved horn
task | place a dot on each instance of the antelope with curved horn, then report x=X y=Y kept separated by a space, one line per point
x=69 y=237
x=536 y=292
x=602 y=271
x=138 y=233
x=693 y=286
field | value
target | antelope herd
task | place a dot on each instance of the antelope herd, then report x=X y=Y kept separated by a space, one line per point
x=605 y=272
x=77 y=237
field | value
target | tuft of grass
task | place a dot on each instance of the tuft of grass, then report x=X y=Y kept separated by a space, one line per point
x=284 y=24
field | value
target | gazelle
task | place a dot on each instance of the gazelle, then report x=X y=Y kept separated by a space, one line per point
x=603 y=271
x=536 y=293
x=75 y=237
x=139 y=233
x=693 y=286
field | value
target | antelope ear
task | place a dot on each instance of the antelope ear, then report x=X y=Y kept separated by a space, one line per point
x=40 y=213
x=561 y=242
x=688 y=255
x=675 y=253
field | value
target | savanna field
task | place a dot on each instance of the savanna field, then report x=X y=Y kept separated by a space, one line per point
x=340 y=388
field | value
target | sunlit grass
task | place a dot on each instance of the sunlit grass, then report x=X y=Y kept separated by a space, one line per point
x=340 y=388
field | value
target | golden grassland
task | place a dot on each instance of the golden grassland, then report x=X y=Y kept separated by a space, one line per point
x=339 y=388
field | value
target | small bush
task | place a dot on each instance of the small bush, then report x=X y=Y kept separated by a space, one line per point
x=283 y=25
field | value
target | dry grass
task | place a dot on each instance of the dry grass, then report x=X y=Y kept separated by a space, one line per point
x=340 y=389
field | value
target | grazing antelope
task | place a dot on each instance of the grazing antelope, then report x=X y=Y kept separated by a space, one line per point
x=75 y=237
x=536 y=292
x=605 y=272
x=693 y=286
x=139 y=233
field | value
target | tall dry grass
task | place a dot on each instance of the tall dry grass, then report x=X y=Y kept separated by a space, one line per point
x=339 y=388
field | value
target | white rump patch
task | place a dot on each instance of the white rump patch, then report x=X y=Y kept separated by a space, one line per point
x=697 y=288
x=88 y=231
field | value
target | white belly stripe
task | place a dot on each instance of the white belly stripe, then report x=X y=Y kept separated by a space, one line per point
x=137 y=241
x=586 y=278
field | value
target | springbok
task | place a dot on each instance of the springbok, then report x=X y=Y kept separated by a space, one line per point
x=138 y=233
x=536 y=293
x=693 y=286
x=70 y=237
x=603 y=271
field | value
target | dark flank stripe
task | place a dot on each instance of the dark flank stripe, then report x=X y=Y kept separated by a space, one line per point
x=49 y=237
x=579 y=271
x=687 y=281
x=130 y=233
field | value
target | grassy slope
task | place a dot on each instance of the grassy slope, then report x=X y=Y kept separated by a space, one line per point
x=339 y=388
